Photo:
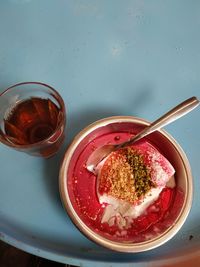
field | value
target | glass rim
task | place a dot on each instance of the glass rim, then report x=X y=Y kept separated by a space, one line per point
x=63 y=121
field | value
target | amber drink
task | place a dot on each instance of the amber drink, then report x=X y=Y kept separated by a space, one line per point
x=32 y=119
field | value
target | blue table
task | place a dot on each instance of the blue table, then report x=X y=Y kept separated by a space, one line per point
x=105 y=58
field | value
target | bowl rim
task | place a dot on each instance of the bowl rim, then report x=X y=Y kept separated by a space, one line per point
x=114 y=245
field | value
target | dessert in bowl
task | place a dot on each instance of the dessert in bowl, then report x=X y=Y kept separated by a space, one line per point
x=140 y=195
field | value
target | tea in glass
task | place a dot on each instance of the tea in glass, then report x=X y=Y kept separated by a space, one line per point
x=32 y=118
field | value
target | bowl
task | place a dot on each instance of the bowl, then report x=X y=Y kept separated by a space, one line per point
x=81 y=203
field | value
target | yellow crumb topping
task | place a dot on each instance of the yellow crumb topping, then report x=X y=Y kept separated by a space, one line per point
x=125 y=176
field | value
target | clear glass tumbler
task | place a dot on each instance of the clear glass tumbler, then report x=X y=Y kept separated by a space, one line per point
x=32 y=118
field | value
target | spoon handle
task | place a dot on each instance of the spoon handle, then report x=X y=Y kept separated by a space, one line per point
x=172 y=115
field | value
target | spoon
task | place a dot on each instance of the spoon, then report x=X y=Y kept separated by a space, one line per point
x=177 y=112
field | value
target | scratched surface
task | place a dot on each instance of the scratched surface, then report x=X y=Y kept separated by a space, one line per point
x=105 y=58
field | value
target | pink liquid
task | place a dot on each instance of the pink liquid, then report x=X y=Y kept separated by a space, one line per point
x=82 y=189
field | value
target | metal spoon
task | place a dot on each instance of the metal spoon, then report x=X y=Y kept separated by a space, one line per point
x=180 y=110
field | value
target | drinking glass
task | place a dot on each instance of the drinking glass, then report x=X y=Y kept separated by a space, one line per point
x=32 y=118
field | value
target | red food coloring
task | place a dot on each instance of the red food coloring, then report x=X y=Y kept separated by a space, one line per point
x=166 y=197
x=82 y=190
x=142 y=223
x=117 y=138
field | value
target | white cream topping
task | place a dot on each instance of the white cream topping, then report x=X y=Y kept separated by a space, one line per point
x=122 y=213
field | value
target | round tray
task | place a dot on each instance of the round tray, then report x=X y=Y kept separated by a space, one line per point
x=105 y=58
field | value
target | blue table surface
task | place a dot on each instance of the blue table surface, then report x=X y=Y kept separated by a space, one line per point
x=105 y=58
